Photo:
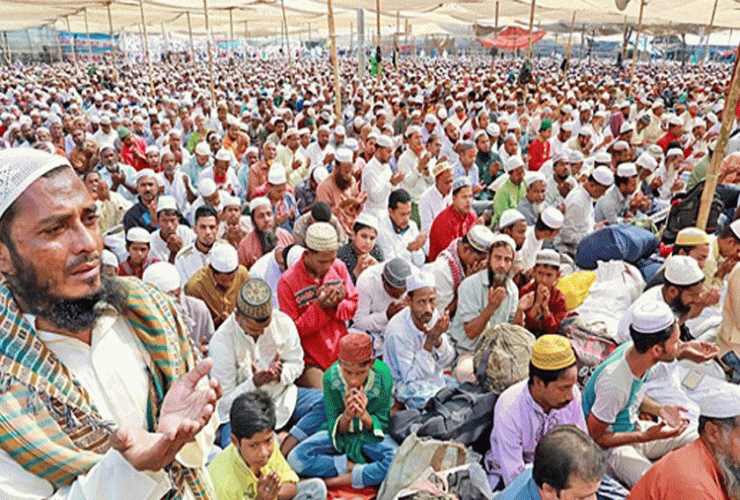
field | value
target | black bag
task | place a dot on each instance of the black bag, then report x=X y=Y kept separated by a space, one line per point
x=462 y=414
x=684 y=213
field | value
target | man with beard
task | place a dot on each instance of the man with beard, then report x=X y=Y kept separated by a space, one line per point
x=174 y=185
x=265 y=236
x=171 y=236
x=144 y=212
x=560 y=176
x=488 y=297
x=340 y=191
x=453 y=221
x=84 y=155
x=417 y=348
x=120 y=177
x=488 y=162
x=377 y=178
x=511 y=192
x=196 y=255
x=414 y=164
x=221 y=173
x=708 y=468
x=621 y=201
x=613 y=400
x=559 y=141
x=70 y=336
x=533 y=202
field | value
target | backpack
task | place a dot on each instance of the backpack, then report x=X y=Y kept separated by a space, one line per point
x=685 y=210
x=591 y=344
x=502 y=357
x=616 y=242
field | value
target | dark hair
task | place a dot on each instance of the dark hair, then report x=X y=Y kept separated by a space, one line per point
x=466 y=241
x=730 y=422
x=252 y=412
x=398 y=196
x=321 y=212
x=643 y=341
x=541 y=226
x=546 y=376
x=727 y=232
x=88 y=173
x=564 y=452
x=686 y=249
x=168 y=212
x=204 y=211
x=619 y=180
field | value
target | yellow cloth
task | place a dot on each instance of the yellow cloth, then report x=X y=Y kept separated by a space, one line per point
x=711 y=264
x=233 y=480
x=728 y=338
x=575 y=287
x=220 y=303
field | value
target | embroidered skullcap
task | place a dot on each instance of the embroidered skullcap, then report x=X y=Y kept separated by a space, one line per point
x=223 y=155
x=513 y=163
x=721 y=403
x=163 y=276
x=504 y=238
x=396 y=271
x=231 y=201
x=355 y=347
x=321 y=237
x=647 y=161
x=532 y=177
x=552 y=352
x=420 y=279
x=147 y=172
x=224 y=258
x=548 y=257
x=480 y=237
x=19 y=168
x=602 y=158
x=440 y=167
x=682 y=270
x=384 y=141
x=255 y=300
x=652 y=316
x=460 y=183
x=123 y=132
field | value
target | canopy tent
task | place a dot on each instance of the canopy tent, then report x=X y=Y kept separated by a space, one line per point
x=512 y=38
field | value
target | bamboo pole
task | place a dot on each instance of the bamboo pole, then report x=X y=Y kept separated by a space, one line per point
x=531 y=25
x=164 y=40
x=113 y=47
x=246 y=40
x=334 y=60
x=231 y=35
x=59 y=44
x=71 y=42
x=624 y=38
x=378 y=52
x=728 y=117
x=396 y=38
x=190 y=37
x=637 y=48
x=146 y=44
x=287 y=40
x=87 y=34
x=570 y=35
x=210 y=54
x=495 y=25
x=708 y=32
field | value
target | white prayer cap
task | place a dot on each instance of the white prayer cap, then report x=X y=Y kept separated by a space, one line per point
x=344 y=155
x=340 y=130
x=147 y=172
x=504 y=238
x=552 y=218
x=319 y=174
x=603 y=175
x=258 y=202
x=137 y=234
x=291 y=131
x=509 y=217
x=163 y=276
x=513 y=163
x=202 y=149
x=206 y=187
x=480 y=238
x=108 y=258
x=19 y=168
x=165 y=202
x=224 y=258
x=567 y=126
x=721 y=403
x=647 y=161
x=603 y=157
x=277 y=175
x=231 y=201
x=682 y=270
x=620 y=146
x=584 y=131
x=151 y=149
x=626 y=127
x=384 y=141
x=368 y=220
x=460 y=182
x=420 y=279
x=674 y=152
x=575 y=157
x=532 y=177
x=223 y=155
x=652 y=316
x=735 y=227
x=304 y=131
x=351 y=144
x=294 y=254
x=626 y=170
x=657 y=104
x=413 y=129
x=358 y=122
x=675 y=120
x=321 y=237
x=493 y=129
x=548 y=257
x=324 y=128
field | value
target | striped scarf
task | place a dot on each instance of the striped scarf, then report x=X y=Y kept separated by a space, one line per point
x=453 y=259
x=49 y=425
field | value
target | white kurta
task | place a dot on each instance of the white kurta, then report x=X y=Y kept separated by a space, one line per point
x=376 y=182
x=189 y=260
x=158 y=247
x=415 y=182
x=267 y=269
x=373 y=302
x=396 y=244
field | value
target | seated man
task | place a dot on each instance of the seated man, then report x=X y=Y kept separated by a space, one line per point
x=534 y=200
x=707 y=468
x=218 y=284
x=398 y=235
x=258 y=348
x=171 y=236
x=320 y=212
x=380 y=289
x=545 y=229
x=417 y=348
x=252 y=465
x=464 y=256
x=453 y=221
x=191 y=258
x=488 y=297
x=567 y=465
x=270 y=267
x=510 y=193
x=137 y=246
x=548 y=309
x=611 y=403
x=353 y=448
x=265 y=236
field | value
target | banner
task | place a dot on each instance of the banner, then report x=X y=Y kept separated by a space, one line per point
x=99 y=42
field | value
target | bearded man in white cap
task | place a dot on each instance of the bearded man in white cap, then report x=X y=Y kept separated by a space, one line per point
x=144 y=211
x=533 y=202
x=222 y=174
x=417 y=348
x=612 y=396
x=341 y=192
x=377 y=178
x=265 y=236
x=708 y=467
x=72 y=335
x=578 y=220
x=415 y=164
x=171 y=236
x=218 y=284
x=199 y=162
x=622 y=200
x=282 y=201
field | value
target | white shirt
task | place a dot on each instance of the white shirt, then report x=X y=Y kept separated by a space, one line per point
x=316 y=155
x=396 y=245
x=233 y=352
x=431 y=203
x=445 y=284
x=102 y=139
x=176 y=189
x=578 y=219
x=267 y=269
x=376 y=182
x=373 y=302
x=530 y=247
x=129 y=174
x=158 y=247
x=189 y=260
x=231 y=185
x=415 y=182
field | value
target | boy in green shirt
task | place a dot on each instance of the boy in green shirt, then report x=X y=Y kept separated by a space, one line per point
x=252 y=467
x=354 y=447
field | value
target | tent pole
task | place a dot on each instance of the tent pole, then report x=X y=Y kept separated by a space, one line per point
x=146 y=44
x=351 y=37
x=529 y=35
x=210 y=54
x=495 y=25
x=636 y=49
x=706 y=35
x=624 y=38
x=164 y=41
x=246 y=39
x=728 y=117
x=113 y=51
x=287 y=40
x=570 y=35
x=334 y=61
x=309 y=33
x=59 y=44
x=71 y=42
x=378 y=54
x=583 y=40
x=231 y=35
x=190 y=35
x=361 y=41
x=87 y=34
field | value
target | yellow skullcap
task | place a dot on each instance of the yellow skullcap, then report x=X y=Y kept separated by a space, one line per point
x=691 y=236
x=552 y=352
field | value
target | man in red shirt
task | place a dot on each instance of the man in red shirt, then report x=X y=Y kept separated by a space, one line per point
x=539 y=149
x=453 y=221
x=133 y=151
x=675 y=130
x=549 y=308
x=317 y=293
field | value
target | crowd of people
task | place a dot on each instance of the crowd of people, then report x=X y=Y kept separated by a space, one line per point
x=229 y=295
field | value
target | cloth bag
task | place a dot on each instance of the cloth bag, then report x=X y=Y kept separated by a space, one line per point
x=502 y=357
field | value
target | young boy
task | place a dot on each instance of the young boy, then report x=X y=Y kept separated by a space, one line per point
x=252 y=467
x=354 y=447
x=548 y=308
x=137 y=245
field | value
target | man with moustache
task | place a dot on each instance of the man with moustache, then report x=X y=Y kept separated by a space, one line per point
x=534 y=200
x=265 y=236
x=69 y=335
x=341 y=192
x=193 y=257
